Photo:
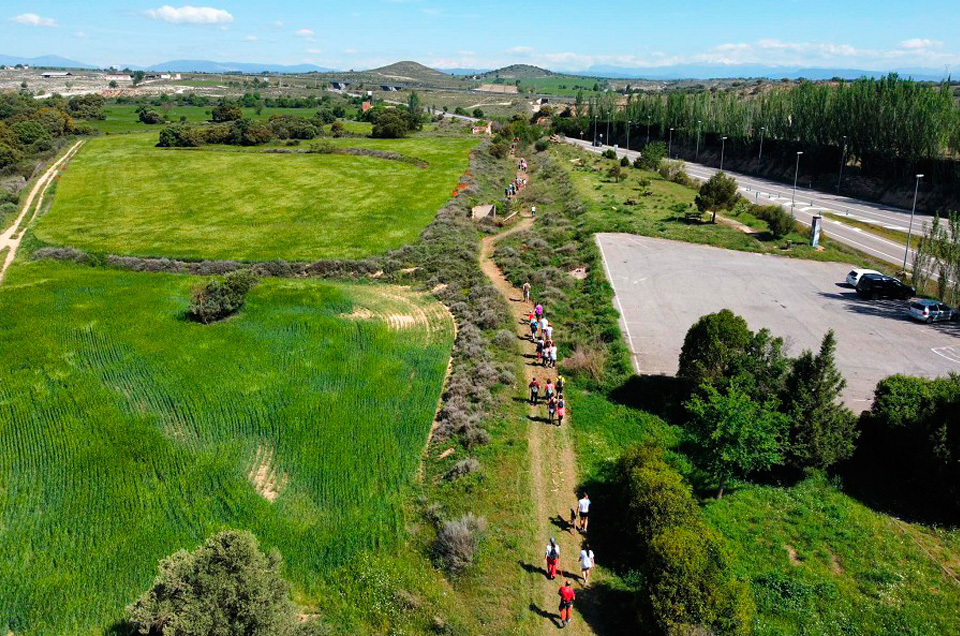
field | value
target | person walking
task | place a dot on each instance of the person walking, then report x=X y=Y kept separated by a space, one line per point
x=533 y=211
x=567 y=597
x=583 y=508
x=526 y=291
x=533 y=327
x=549 y=330
x=552 y=557
x=552 y=409
x=553 y=355
x=538 y=311
x=540 y=346
x=560 y=382
x=561 y=410
x=586 y=563
x=548 y=389
x=544 y=323
x=534 y=391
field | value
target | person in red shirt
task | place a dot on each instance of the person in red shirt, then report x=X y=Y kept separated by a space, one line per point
x=534 y=391
x=567 y=597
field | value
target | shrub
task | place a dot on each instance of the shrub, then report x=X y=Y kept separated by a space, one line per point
x=719 y=192
x=457 y=542
x=149 y=116
x=505 y=339
x=478 y=113
x=780 y=221
x=615 y=173
x=225 y=586
x=224 y=112
x=390 y=124
x=541 y=145
x=652 y=155
x=711 y=346
x=462 y=468
x=624 y=162
x=608 y=154
x=218 y=299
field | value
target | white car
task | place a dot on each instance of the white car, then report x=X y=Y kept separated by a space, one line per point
x=854 y=276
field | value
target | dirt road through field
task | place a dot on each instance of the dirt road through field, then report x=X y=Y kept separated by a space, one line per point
x=14 y=234
x=553 y=478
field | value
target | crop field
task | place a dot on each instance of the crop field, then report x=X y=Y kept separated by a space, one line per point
x=128 y=432
x=124 y=196
x=123 y=118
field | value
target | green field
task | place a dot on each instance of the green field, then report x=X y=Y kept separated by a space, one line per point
x=127 y=432
x=123 y=118
x=124 y=196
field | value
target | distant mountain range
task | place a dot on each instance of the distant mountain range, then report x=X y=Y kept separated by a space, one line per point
x=520 y=71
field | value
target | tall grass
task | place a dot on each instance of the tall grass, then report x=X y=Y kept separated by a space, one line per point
x=127 y=432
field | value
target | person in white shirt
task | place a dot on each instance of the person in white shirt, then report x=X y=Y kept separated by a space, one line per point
x=583 y=508
x=553 y=356
x=586 y=562
x=552 y=555
x=549 y=330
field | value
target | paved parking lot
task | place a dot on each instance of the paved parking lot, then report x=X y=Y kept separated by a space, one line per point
x=662 y=287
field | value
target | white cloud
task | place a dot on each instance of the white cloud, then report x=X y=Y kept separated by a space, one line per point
x=80 y=35
x=32 y=19
x=350 y=51
x=189 y=15
x=314 y=51
x=250 y=38
x=278 y=24
x=522 y=50
x=431 y=11
x=304 y=33
x=920 y=43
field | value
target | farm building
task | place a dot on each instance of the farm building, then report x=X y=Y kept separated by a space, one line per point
x=53 y=74
x=117 y=77
x=339 y=86
x=497 y=88
x=483 y=129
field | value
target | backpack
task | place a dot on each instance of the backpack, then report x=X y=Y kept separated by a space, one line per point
x=552 y=555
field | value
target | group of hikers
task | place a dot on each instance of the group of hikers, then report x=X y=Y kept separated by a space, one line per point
x=541 y=334
x=514 y=187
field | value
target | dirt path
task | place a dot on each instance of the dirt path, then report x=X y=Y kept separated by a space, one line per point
x=14 y=234
x=553 y=476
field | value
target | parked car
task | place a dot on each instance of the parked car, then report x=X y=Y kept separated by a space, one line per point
x=875 y=286
x=932 y=311
x=854 y=276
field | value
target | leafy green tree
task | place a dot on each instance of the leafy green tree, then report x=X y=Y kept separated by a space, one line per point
x=735 y=435
x=615 y=173
x=217 y=299
x=478 y=113
x=823 y=431
x=227 y=586
x=653 y=154
x=719 y=192
x=390 y=124
x=225 y=111
x=711 y=345
x=138 y=77
x=149 y=116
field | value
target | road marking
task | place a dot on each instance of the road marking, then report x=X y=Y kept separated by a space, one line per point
x=616 y=297
x=949 y=353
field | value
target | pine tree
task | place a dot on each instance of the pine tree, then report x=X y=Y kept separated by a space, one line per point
x=823 y=430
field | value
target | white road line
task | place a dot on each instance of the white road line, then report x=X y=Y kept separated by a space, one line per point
x=949 y=353
x=623 y=316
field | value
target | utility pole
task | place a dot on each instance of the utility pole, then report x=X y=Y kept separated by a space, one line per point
x=629 y=123
x=670 y=145
x=906 y=253
x=723 y=147
x=796 y=173
x=608 y=130
x=760 y=158
x=843 y=160
x=696 y=157
x=648 y=129
x=594 y=129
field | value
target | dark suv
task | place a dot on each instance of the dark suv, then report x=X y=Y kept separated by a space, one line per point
x=875 y=286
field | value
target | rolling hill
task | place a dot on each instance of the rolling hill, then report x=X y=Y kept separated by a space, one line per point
x=520 y=71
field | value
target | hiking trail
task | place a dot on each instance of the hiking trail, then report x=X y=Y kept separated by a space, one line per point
x=553 y=467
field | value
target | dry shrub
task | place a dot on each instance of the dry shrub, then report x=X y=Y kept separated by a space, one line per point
x=462 y=468
x=505 y=340
x=457 y=542
x=70 y=254
x=474 y=437
x=587 y=360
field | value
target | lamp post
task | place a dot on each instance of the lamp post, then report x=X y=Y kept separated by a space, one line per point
x=796 y=173
x=594 y=129
x=629 y=124
x=843 y=157
x=723 y=147
x=608 y=129
x=916 y=190
x=760 y=158
x=601 y=140
x=696 y=157
x=670 y=145
x=648 y=129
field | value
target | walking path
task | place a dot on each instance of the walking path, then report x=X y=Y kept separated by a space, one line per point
x=553 y=465
x=10 y=240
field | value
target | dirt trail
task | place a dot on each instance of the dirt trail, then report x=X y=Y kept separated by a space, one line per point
x=14 y=234
x=553 y=465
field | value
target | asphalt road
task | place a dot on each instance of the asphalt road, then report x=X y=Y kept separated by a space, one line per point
x=809 y=203
x=662 y=287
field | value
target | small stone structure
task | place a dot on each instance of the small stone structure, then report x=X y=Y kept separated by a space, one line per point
x=483 y=212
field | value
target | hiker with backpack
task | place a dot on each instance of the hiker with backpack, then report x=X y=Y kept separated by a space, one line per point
x=551 y=408
x=540 y=347
x=534 y=391
x=526 y=291
x=553 y=557
x=567 y=597
x=561 y=410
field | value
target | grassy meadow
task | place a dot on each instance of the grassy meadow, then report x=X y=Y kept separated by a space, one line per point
x=122 y=195
x=128 y=432
x=123 y=118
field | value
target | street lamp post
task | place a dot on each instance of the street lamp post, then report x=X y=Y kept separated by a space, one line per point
x=796 y=173
x=760 y=158
x=608 y=130
x=594 y=129
x=723 y=147
x=696 y=156
x=648 y=129
x=670 y=145
x=629 y=123
x=601 y=140
x=843 y=157
x=916 y=190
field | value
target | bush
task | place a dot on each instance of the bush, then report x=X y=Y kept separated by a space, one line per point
x=779 y=220
x=457 y=542
x=225 y=112
x=225 y=586
x=711 y=346
x=217 y=299
x=505 y=339
x=149 y=116
x=624 y=162
x=718 y=193
x=652 y=155
x=541 y=145
x=478 y=113
x=390 y=124
x=608 y=154
x=462 y=468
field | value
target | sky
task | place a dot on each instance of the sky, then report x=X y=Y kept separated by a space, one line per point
x=877 y=35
